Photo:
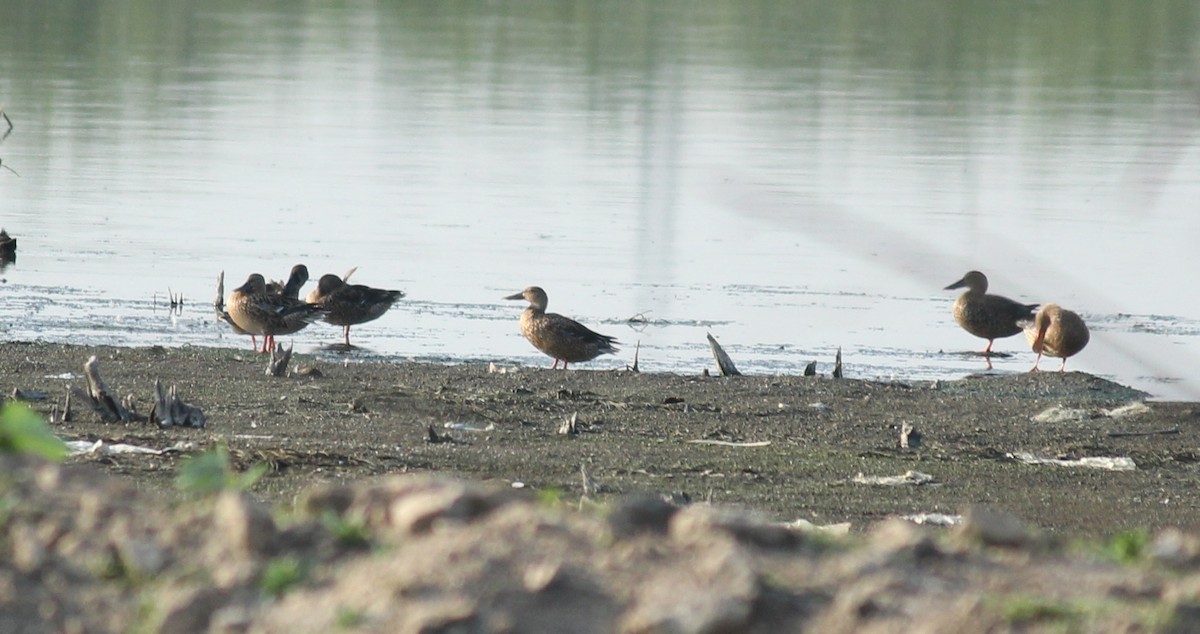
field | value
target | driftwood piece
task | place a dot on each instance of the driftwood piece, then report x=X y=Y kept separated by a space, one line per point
x=570 y=425
x=637 y=347
x=590 y=485
x=910 y=438
x=279 y=360
x=810 y=369
x=724 y=363
x=106 y=405
x=1134 y=434
x=170 y=411
x=837 y=364
x=219 y=302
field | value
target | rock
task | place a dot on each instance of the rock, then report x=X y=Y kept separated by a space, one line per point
x=318 y=501
x=695 y=523
x=420 y=510
x=993 y=528
x=640 y=513
x=28 y=549
x=1175 y=547
x=189 y=610
x=712 y=589
x=242 y=525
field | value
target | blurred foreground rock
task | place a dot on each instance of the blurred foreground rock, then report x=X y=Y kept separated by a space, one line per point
x=85 y=552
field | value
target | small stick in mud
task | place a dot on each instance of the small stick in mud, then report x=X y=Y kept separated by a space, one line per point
x=724 y=363
x=66 y=409
x=176 y=300
x=279 y=360
x=910 y=438
x=810 y=369
x=170 y=411
x=219 y=302
x=837 y=364
x=101 y=400
x=569 y=426
x=636 y=348
x=590 y=485
x=1131 y=434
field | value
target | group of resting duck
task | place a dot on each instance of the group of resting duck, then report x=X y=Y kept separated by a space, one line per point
x=259 y=309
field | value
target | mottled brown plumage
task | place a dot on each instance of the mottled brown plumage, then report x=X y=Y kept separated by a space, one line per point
x=559 y=337
x=1056 y=332
x=987 y=316
x=256 y=311
x=348 y=304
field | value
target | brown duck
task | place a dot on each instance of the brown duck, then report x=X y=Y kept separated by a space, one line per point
x=988 y=316
x=1056 y=332
x=348 y=304
x=559 y=337
x=291 y=288
x=256 y=311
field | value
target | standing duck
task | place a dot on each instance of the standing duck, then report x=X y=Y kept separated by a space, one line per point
x=987 y=316
x=559 y=337
x=348 y=304
x=256 y=311
x=1056 y=332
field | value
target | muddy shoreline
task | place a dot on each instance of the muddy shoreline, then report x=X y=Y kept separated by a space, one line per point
x=787 y=446
x=364 y=522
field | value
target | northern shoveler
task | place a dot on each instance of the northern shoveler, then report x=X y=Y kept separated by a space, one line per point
x=1056 y=332
x=346 y=305
x=987 y=316
x=559 y=337
x=256 y=311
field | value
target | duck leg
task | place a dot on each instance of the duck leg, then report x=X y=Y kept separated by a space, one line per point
x=347 y=333
x=987 y=352
x=555 y=366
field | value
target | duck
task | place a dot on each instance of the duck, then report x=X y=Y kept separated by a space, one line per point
x=8 y=244
x=290 y=289
x=988 y=316
x=254 y=310
x=1056 y=332
x=347 y=305
x=560 y=338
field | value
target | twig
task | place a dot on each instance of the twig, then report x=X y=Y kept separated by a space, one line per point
x=170 y=411
x=724 y=363
x=837 y=365
x=727 y=443
x=109 y=409
x=1130 y=434
x=570 y=425
x=279 y=360
x=219 y=302
x=636 y=348
x=810 y=369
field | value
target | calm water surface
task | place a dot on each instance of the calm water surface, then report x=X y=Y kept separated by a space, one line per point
x=789 y=178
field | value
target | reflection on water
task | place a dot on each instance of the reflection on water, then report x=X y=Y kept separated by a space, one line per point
x=792 y=177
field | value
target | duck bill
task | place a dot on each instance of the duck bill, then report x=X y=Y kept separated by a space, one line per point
x=1042 y=326
x=520 y=295
x=959 y=284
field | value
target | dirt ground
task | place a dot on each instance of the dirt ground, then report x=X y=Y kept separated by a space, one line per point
x=499 y=485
